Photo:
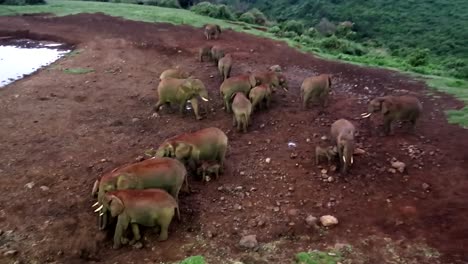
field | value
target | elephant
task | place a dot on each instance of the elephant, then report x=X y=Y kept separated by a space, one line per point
x=241 y=83
x=403 y=108
x=272 y=78
x=208 y=144
x=207 y=168
x=242 y=108
x=165 y=173
x=329 y=152
x=225 y=65
x=342 y=133
x=316 y=89
x=175 y=73
x=148 y=207
x=212 y=31
x=179 y=91
x=203 y=52
x=217 y=52
x=260 y=95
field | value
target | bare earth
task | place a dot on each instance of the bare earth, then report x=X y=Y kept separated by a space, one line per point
x=62 y=131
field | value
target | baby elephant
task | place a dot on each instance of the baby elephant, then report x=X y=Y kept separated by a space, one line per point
x=208 y=168
x=174 y=73
x=225 y=65
x=329 y=152
x=316 y=89
x=212 y=31
x=204 y=52
x=261 y=96
x=242 y=108
x=342 y=132
x=217 y=52
x=149 y=207
x=403 y=108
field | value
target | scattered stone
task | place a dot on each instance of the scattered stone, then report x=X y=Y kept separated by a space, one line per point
x=425 y=186
x=324 y=138
x=134 y=120
x=242 y=173
x=104 y=160
x=311 y=220
x=276 y=209
x=330 y=179
x=293 y=155
x=293 y=212
x=238 y=207
x=359 y=151
x=29 y=185
x=10 y=253
x=268 y=160
x=308 y=140
x=249 y=242
x=138 y=245
x=328 y=220
x=392 y=170
x=211 y=76
x=261 y=223
x=400 y=166
x=140 y=158
x=44 y=188
x=324 y=171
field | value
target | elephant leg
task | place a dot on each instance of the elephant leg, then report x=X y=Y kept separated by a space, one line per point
x=221 y=157
x=157 y=106
x=164 y=222
x=122 y=224
x=175 y=193
x=234 y=120
x=194 y=102
x=387 y=125
x=305 y=99
x=136 y=233
x=182 y=107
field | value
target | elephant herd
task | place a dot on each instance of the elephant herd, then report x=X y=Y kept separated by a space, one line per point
x=147 y=192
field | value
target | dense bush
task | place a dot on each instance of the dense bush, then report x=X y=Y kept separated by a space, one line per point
x=335 y=44
x=311 y=32
x=418 y=57
x=213 y=10
x=325 y=27
x=293 y=26
x=258 y=17
x=22 y=2
x=247 y=18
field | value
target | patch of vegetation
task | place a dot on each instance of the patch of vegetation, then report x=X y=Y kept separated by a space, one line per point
x=22 y=2
x=194 y=260
x=318 y=257
x=213 y=10
x=78 y=70
x=254 y=16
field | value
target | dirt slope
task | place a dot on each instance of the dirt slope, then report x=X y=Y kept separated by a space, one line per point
x=62 y=131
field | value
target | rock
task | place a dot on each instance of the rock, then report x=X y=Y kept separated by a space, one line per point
x=10 y=253
x=29 y=185
x=324 y=171
x=134 y=120
x=330 y=179
x=328 y=220
x=359 y=151
x=138 y=245
x=400 y=166
x=249 y=242
x=242 y=173
x=268 y=160
x=307 y=140
x=293 y=155
x=425 y=186
x=392 y=170
x=311 y=220
x=293 y=212
x=44 y=188
x=324 y=138
x=276 y=209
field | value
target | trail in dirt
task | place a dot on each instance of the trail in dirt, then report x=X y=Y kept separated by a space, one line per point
x=62 y=131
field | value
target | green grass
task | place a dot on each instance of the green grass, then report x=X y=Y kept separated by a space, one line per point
x=317 y=257
x=374 y=57
x=78 y=70
x=194 y=260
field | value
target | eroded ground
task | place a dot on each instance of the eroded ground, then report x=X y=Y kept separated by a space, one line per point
x=59 y=131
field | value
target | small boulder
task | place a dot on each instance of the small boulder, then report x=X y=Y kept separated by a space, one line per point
x=359 y=151
x=10 y=253
x=328 y=220
x=398 y=165
x=249 y=242
x=311 y=220
x=29 y=185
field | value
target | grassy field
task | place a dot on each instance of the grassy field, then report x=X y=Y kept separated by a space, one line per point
x=458 y=88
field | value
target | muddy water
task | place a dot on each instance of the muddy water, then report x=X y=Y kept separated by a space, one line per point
x=19 y=58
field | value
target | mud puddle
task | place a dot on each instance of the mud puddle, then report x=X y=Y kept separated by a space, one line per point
x=21 y=57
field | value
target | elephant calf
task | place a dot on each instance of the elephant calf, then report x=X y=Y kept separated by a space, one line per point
x=329 y=153
x=271 y=78
x=403 y=108
x=217 y=52
x=164 y=173
x=203 y=52
x=225 y=65
x=342 y=132
x=316 y=89
x=209 y=144
x=174 y=73
x=242 y=108
x=207 y=168
x=260 y=96
x=211 y=31
x=148 y=207
x=241 y=83
x=179 y=91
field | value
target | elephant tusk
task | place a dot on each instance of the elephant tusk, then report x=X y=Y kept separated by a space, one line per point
x=344 y=160
x=101 y=214
x=204 y=99
x=366 y=115
x=285 y=89
x=98 y=209
x=95 y=204
x=352 y=160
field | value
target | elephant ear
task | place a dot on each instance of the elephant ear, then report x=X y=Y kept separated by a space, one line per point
x=187 y=87
x=183 y=151
x=116 y=205
x=387 y=105
x=253 y=80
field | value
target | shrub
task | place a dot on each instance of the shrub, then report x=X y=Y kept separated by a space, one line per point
x=325 y=27
x=287 y=34
x=311 y=32
x=418 y=57
x=22 y=2
x=247 y=17
x=275 y=30
x=293 y=26
x=260 y=18
x=212 y=10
